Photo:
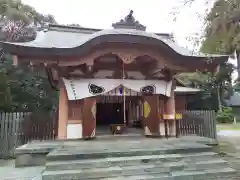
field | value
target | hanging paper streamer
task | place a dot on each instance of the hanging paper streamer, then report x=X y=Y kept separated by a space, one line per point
x=121 y=90
x=83 y=88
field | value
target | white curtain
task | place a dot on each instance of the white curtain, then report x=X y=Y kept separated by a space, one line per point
x=83 y=88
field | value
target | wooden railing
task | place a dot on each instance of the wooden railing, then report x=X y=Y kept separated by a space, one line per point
x=18 y=128
x=201 y=123
x=21 y=127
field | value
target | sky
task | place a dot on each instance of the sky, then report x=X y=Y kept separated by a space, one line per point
x=233 y=60
x=155 y=14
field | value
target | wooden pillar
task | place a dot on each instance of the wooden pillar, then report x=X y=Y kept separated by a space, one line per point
x=161 y=112
x=62 y=113
x=151 y=117
x=89 y=118
x=169 y=114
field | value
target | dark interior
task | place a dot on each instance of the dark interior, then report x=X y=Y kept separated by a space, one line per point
x=109 y=113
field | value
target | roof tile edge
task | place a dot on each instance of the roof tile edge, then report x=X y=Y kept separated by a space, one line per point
x=66 y=28
x=75 y=29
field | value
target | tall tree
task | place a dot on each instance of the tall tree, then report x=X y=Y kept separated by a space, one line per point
x=21 y=88
x=221 y=36
x=20 y=21
x=222 y=32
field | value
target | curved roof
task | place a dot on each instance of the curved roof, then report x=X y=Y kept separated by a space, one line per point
x=69 y=41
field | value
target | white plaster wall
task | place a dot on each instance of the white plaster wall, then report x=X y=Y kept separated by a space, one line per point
x=74 y=131
x=162 y=128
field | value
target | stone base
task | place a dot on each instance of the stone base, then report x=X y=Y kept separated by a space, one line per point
x=34 y=153
x=25 y=160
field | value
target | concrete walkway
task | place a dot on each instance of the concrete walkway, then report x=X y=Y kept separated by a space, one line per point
x=9 y=172
x=230 y=140
x=229 y=133
x=231 y=136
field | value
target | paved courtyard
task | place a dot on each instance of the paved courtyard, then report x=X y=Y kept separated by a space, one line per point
x=9 y=172
x=230 y=136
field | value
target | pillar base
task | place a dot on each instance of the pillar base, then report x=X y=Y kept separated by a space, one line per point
x=89 y=138
x=168 y=128
x=172 y=127
x=154 y=136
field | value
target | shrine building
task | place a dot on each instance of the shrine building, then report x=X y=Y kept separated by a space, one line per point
x=120 y=78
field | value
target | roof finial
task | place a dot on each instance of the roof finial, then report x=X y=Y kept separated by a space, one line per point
x=129 y=18
x=129 y=22
x=131 y=13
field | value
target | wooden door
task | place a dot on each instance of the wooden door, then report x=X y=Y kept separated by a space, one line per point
x=89 y=118
x=151 y=116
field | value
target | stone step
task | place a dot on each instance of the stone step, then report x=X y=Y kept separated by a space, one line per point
x=140 y=172
x=130 y=161
x=223 y=174
x=210 y=174
x=169 y=167
x=205 y=165
x=74 y=153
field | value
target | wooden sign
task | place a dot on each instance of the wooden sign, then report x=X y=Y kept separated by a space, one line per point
x=178 y=116
x=168 y=116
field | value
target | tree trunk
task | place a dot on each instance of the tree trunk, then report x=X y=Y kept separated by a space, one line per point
x=219 y=99
x=238 y=63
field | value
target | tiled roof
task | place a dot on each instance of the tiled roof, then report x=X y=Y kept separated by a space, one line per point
x=58 y=36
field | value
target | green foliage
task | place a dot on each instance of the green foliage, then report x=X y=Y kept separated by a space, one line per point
x=215 y=88
x=22 y=88
x=15 y=10
x=25 y=89
x=225 y=116
x=222 y=33
x=222 y=36
x=19 y=21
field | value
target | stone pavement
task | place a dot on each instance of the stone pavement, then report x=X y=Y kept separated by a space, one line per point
x=9 y=172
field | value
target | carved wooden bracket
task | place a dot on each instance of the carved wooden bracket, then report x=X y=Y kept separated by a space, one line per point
x=126 y=55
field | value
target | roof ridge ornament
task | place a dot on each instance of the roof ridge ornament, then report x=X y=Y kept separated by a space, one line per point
x=129 y=22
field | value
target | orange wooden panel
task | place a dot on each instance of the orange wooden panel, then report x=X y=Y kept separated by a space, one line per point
x=89 y=118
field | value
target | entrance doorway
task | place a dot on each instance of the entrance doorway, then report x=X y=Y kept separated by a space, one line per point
x=110 y=111
x=107 y=114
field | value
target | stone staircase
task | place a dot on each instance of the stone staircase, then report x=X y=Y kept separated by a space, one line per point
x=183 y=162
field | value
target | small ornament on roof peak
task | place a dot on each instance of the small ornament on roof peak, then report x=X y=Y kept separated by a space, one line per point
x=129 y=22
